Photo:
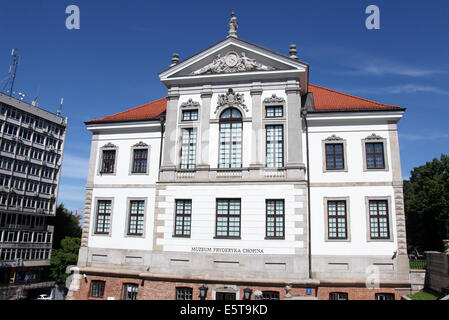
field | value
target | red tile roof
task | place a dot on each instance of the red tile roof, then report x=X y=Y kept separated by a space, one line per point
x=324 y=99
x=146 y=111
x=327 y=99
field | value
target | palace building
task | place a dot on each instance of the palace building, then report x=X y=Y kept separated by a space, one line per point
x=245 y=182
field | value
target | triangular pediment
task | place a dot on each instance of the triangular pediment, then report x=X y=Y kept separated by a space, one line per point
x=234 y=56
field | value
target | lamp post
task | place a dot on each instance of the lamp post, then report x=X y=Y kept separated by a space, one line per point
x=203 y=292
x=247 y=294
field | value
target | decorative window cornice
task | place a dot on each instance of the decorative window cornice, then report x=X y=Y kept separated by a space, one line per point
x=190 y=104
x=231 y=99
x=109 y=145
x=274 y=99
x=140 y=144
x=333 y=138
x=374 y=137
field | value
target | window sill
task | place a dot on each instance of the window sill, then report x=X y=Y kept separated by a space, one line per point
x=180 y=236
x=227 y=238
x=274 y=238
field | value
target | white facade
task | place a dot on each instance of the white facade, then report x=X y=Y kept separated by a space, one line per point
x=295 y=255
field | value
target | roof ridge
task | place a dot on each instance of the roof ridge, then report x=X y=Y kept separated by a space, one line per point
x=127 y=110
x=352 y=96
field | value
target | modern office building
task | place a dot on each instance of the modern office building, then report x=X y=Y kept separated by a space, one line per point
x=31 y=149
x=245 y=181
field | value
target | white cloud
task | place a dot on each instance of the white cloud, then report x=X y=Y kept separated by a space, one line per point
x=422 y=137
x=388 y=68
x=401 y=89
x=74 y=167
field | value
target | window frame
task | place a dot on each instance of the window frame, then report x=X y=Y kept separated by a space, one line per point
x=190 y=146
x=129 y=215
x=97 y=282
x=124 y=291
x=347 y=218
x=231 y=121
x=275 y=143
x=389 y=219
x=337 y=295
x=183 y=215
x=333 y=141
x=190 y=111
x=275 y=237
x=270 y=295
x=274 y=106
x=139 y=146
x=179 y=289
x=228 y=215
x=377 y=295
x=95 y=225
x=108 y=147
x=375 y=139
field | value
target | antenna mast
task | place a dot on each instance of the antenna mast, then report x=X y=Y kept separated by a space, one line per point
x=60 y=107
x=12 y=72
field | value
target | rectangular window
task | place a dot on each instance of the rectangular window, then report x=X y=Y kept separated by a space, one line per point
x=140 y=158
x=8 y=146
x=338 y=296
x=274 y=112
x=190 y=115
x=183 y=217
x=334 y=156
x=103 y=216
x=188 y=148
x=375 y=155
x=337 y=221
x=97 y=289
x=270 y=295
x=136 y=217
x=184 y=293
x=275 y=219
x=108 y=161
x=378 y=219
x=275 y=151
x=231 y=145
x=384 y=296
x=5 y=163
x=130 y=291
x=228 y=218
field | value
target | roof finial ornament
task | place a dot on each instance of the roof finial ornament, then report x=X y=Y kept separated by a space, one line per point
x=293 y=52
x=233 y=26
x=174 y=59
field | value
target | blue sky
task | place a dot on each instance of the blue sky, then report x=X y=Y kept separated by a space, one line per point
x=112 y=62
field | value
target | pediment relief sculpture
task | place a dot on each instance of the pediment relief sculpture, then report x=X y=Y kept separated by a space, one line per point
x=232 y=62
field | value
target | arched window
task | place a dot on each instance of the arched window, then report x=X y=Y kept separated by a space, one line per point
x=231 y=138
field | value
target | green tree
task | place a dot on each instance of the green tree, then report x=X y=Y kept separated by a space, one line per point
x=62 y=258
x=426 y=197
x=66 y=225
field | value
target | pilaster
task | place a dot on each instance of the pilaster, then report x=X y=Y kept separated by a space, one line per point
x=257 y=129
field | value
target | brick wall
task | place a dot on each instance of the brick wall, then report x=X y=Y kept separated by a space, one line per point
x=166 y=290
x=357 y=293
